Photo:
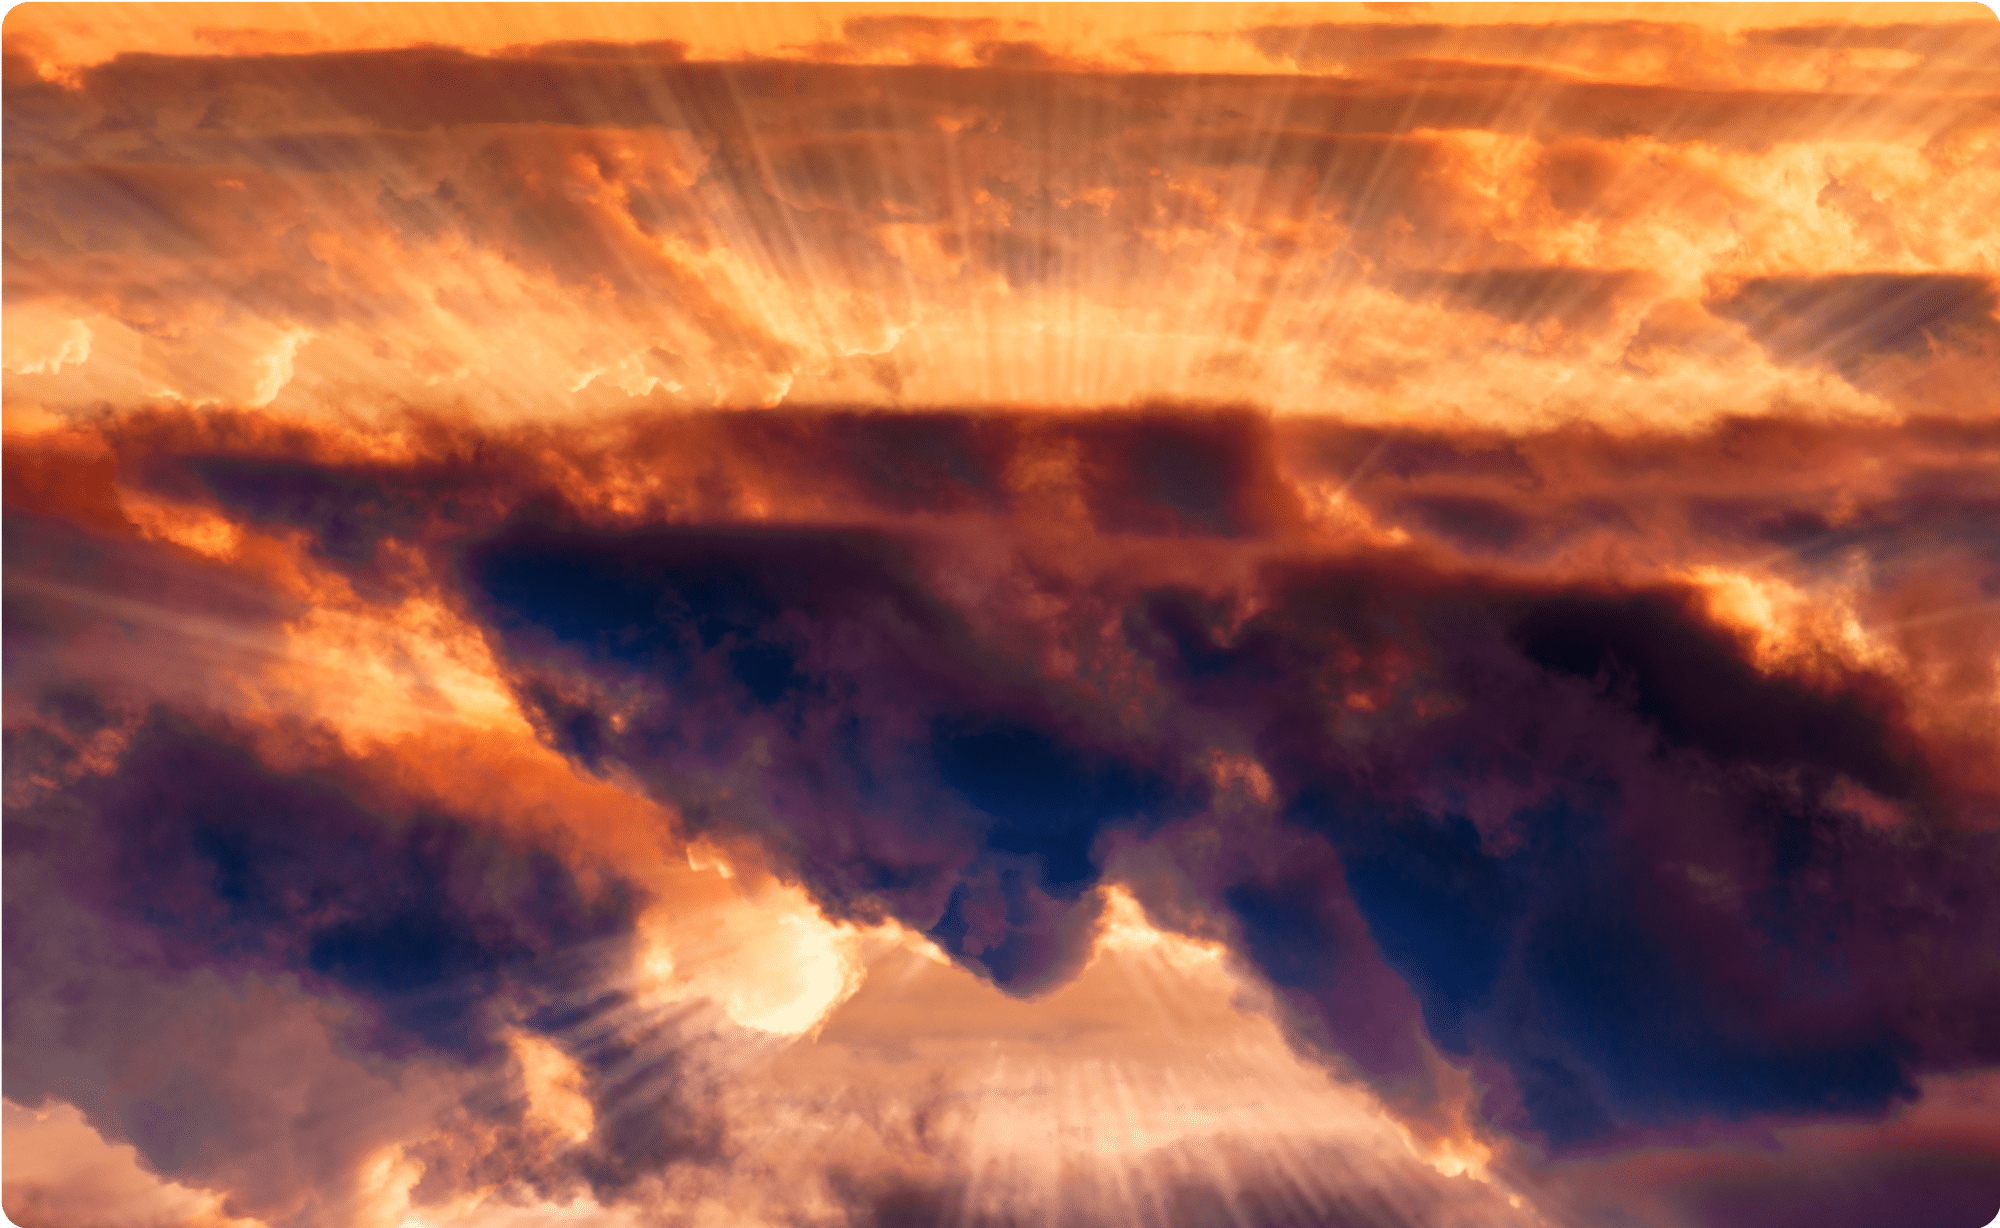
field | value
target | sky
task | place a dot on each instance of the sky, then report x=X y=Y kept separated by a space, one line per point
x=872 y=616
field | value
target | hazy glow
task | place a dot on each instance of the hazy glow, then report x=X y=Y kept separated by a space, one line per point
x=769 y=960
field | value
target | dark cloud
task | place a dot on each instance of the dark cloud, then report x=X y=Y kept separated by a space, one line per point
x=1846 y=320
x=1319 y=44
x=724 y=103
x=1572 y=835
x=1179 y=473
x=1945 y=1183
x=1302 y=929
x=1967 y=41
x=901 y=29
x=893 y=175
x=639 y=1080
x=228 y=864
x=1745 y=490
x=1467 y=521
x=920 y=461
x=654 y=51
x=1526 y=295
x=188 y=876
x=347 y=513
x=33 y=103
x=1405 y=77
x=1676 y=668
x=1167 y=472
x=1632 y=939
x=1577 y=175
x=823 y=654
x=211 y=860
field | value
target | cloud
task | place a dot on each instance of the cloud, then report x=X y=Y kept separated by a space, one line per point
x=1528 y=295
x=1586 y=838
x=1512 y=917
x=803 y=641
x=864 y=618
x=212 y=862
x=432 y=216
x=1923 y=1160
x=813 y=683
x=1846 y=320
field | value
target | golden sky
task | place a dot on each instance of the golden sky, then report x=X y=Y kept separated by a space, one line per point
x=837 y=615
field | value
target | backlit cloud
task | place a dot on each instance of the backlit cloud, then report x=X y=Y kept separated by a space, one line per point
x=845 y=615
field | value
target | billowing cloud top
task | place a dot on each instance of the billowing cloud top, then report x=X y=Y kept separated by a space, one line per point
x=859 y=615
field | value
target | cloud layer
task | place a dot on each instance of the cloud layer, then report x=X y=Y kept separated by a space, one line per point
x=873 y=619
